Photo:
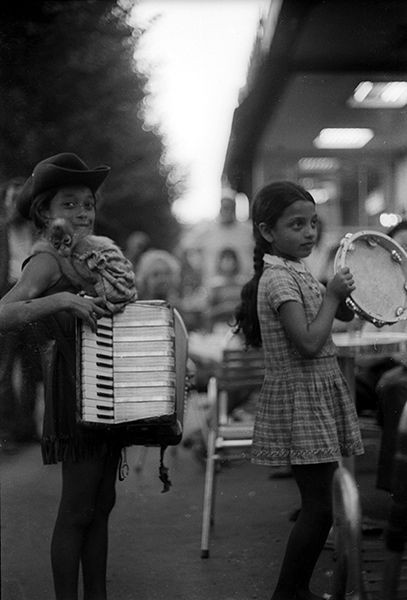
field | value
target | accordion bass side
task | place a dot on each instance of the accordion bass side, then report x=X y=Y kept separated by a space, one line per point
x=132 y=370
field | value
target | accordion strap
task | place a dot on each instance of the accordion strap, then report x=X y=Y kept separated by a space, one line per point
x=163 y=472
x=55 y=332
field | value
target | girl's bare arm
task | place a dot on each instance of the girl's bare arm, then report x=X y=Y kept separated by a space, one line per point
x=22 y=304
x=308 y=338
x=14 y=315
x=38 y=275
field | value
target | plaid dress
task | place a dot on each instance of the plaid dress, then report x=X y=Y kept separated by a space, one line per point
x=305 y=413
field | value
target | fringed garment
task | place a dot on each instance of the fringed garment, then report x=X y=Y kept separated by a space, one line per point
x=64 y=437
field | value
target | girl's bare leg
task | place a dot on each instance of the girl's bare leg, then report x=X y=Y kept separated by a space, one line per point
x=87 y=491
x=95 y=547
x=308 y=535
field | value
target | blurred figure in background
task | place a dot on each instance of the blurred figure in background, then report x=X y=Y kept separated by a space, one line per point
x=209 y=239
x=20 y=369
x=158 y=277
x=19 y=232
x=391 y=390
x=381 y=383
x=136 y=243
x=194 y=294
x=224 y=290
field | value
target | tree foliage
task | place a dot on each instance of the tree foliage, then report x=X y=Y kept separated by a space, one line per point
x=70 y=84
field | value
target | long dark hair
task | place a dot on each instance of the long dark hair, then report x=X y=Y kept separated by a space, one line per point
x=268 y=206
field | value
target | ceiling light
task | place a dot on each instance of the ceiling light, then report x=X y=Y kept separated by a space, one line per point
x=379 y=94
x=362 y=91
x=318 y=163
x=346 y=137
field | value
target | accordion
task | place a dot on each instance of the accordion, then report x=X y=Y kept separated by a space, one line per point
x=132 y=372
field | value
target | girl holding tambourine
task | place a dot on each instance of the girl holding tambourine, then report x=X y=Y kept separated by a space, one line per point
x=306 y=417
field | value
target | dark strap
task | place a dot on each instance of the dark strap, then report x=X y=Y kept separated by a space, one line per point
x=55 y=331
x=163 y=472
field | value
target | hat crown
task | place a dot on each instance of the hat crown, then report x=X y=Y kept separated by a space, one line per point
x=66 y=160
x=60 y=170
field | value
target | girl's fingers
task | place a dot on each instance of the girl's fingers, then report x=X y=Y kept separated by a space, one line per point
x=99 y=301
x=98 y=310
x=97 y=306
x=90 y=320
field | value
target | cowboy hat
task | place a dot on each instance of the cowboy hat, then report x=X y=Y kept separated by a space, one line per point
x=57 y=171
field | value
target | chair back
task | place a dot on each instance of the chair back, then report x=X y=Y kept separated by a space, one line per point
x=241 y=368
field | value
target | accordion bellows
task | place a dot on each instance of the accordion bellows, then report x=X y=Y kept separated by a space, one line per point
x=129 y=368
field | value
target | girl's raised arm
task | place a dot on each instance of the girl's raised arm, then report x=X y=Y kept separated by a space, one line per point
x=308 y=338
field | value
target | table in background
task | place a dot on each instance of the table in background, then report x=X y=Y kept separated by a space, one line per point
x=362 y=345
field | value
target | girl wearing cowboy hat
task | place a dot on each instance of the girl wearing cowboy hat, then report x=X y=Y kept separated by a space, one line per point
x=64 y=187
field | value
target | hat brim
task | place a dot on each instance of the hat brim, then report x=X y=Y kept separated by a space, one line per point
x=48 y=176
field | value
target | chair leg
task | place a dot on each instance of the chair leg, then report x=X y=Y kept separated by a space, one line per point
x=208 y=502
x=340 y=574
x=216 y=466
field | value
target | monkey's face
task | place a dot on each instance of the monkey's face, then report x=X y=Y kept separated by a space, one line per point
x=61 y=236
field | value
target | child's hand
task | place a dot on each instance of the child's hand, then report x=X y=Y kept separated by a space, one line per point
x=341 y=285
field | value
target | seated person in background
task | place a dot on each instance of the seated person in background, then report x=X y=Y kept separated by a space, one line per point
x=381 y=383
x=136 y=243
x=392 y=392
x=192 y=289
x=93 y=263
x=224 y=289
x=158 y=277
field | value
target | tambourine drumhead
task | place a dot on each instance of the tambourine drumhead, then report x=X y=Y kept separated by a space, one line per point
x=379 y=268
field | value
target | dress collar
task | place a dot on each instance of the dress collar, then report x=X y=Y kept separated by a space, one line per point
x=271 y=259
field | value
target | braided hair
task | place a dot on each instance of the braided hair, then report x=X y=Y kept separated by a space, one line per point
x=268 y=206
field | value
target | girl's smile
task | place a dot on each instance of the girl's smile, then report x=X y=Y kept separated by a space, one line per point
x=76 y=204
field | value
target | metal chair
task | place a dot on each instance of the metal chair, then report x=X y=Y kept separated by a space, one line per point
x=240 y=369
x=348 y=576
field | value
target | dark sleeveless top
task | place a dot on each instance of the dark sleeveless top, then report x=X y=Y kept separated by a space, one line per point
x=64 y=437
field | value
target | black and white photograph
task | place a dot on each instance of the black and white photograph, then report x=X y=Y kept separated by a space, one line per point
x=203 y=300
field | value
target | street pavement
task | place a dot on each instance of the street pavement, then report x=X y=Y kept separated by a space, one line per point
x=154 y=551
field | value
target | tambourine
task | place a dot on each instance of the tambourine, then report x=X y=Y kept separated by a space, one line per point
x=379 y=268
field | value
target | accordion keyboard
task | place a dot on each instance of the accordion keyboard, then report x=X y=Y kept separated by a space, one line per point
x=128 y=366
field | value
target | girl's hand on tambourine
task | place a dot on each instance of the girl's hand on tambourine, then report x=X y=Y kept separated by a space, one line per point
x=341 y=285
x=86 y=308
